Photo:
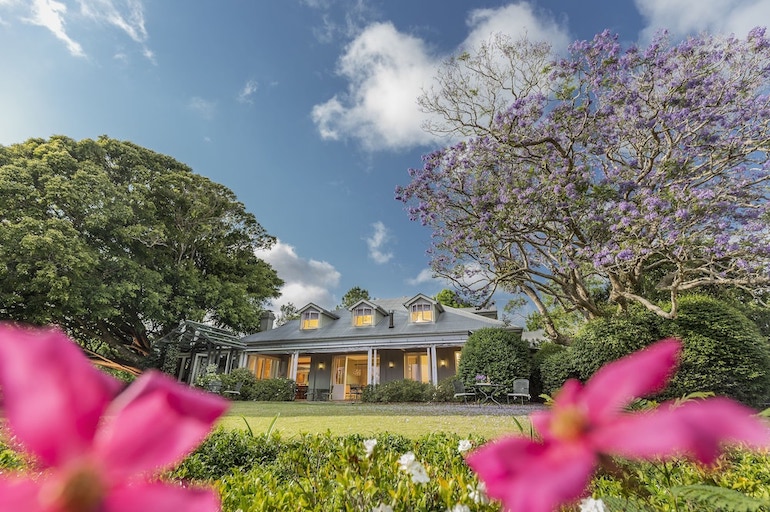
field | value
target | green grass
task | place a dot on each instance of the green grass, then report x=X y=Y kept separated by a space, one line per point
x=410 y=420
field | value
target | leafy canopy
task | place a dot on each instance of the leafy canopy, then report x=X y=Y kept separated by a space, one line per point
x=643 y=169
x=117 y=244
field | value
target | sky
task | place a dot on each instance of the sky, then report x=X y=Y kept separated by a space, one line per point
x=306 y=109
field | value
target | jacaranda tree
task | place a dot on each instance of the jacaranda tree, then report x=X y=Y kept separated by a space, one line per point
x=117 y=244
x=644 y=170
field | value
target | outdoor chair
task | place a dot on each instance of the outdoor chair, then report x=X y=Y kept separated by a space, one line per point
x=520 y=390
x=461 y=392
x=236 y=391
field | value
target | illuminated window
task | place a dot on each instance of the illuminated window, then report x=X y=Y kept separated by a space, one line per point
x=310 y=319
x=263 y=367
x=416 y=367
x=422 y=313
x=362 y=316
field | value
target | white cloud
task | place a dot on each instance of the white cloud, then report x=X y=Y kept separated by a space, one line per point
x=387 y=71
x=248 y=91
x=304 y=280
x=54 y=15
x=377 y=242
x=50 y=14
x=425 y=276
x=516 y=21
x=684 y=17
x=204 y=108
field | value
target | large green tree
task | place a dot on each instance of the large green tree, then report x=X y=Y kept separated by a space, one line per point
x=117 y=244
x=353 y=296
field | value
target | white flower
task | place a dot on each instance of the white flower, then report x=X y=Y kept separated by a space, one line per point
x=382 y=508
x=459 y=508
x=464 y=446
x=478 y=494
x=592 y=505
x=408 y=463
x=369 y=445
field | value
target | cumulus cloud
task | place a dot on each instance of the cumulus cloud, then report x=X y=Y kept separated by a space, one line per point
x=54 y=15
x=204 y=108
x=304 y=280
x=248 y=91
x=377 y=242
x=387 y=70
x=685 y=17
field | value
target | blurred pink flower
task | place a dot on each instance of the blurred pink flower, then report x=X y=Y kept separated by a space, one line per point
x=97 y=450
x=586 y=423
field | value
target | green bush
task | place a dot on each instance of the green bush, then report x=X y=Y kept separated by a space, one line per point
x=445 y=390
x=278 y=390
x=226 y=451
x=606 y=339
x=724 y=352
x=546 y=350
x=399 y=391
x=244 y=376
x=556 y=369
x=498 y=354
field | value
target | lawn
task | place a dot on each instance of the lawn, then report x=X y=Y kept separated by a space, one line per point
x=411 y=420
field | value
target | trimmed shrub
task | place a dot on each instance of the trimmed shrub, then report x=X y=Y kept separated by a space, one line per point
x=445 y=390
x=399 y=391
x=724 y=351
x=545 y=351
x=248 y=388
x=272 y=390
x=500 y=355
x=556 y=369
x=606 y=339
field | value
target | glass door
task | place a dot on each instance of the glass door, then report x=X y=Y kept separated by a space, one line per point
x=338 y=377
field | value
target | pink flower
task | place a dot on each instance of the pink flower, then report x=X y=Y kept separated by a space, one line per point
x=97 y=451
x=586 y=423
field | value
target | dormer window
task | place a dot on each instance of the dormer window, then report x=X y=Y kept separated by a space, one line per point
x=363 y=316
x=422 y=312
x=310 y=319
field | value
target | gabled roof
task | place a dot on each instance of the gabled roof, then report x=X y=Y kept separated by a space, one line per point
x=452 y=324
x=420 y=296
x=319 y=309
x=368 y=303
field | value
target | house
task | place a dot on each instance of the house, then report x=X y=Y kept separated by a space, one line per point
x=334 y=354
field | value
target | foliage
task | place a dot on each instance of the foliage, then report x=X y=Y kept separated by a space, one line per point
x=499 y=354
x=248 y=382
x=445 y=390
x=225 y=452
x=546 y=350
x=724 y=352
x=556 y=369
x=266 y=390
x=117 y=244
x=353 y=296
x=319 y=473
x=208 y=377
x=452 y=299
x=404 y=390
x=288 y=312
x=642 y=168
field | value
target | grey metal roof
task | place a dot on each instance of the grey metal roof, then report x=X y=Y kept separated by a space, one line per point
x=451 y=323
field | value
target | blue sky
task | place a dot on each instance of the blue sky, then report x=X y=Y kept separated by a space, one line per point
x=306 y=109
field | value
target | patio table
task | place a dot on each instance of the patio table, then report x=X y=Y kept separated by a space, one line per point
x=487 y=392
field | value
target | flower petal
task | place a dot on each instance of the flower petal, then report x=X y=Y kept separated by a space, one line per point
x=53 y=396
x=530 y=476
x=161 y=498
x=19 y=494
x=640 y=374
x=154 y=424
x=698 y=428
